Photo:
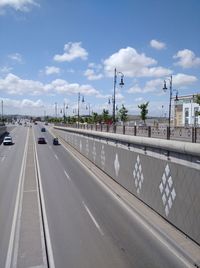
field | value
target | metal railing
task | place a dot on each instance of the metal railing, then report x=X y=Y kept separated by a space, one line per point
x=187 y=134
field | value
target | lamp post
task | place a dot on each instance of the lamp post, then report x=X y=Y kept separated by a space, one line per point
x=2 y=111
x=114 y=93
x=79 y=97
x=88 y=108
x=170 y=100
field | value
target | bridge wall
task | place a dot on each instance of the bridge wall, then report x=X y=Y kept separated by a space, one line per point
x=165 y=175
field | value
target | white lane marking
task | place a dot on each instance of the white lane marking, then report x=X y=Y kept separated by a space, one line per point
x=50 y=147
x=3 y=158
x=67 y=175
x=93 y=219
x=56 y=156
x=16 y=210
x=46 y=226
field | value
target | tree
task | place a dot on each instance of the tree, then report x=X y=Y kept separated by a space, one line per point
x=123 y=114
x=144 y=111
x=105 y=116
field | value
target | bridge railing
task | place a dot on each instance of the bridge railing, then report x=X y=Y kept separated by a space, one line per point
x=188 y=134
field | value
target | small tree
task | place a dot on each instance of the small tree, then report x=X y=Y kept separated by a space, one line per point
x=123 y=114
x=144 y=111
x=105 y=116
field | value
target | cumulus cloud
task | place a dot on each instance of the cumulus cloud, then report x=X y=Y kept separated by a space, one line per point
x=6 y=69
x=133 y=64
x=178 y=81
x=183 y=80
x=186 y=59
x=14 y=85
x=51 y=70
x=157 y=44
x=18 y=5
x=16 y=57
x=93 y=72
x=72 y=51
x=150 y=86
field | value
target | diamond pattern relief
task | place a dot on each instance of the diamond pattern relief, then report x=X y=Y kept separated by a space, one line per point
x=167 y=190
x=138 y=175
x=117 y=165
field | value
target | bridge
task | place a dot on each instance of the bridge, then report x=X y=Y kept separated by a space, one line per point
x=98 y=200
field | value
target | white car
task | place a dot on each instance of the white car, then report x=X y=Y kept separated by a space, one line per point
x=7 y=140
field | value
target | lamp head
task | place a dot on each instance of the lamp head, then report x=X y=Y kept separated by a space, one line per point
x=122 y=81
x=165 y=86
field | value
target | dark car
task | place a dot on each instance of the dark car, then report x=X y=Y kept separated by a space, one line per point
x=41 y=140
x=43 y=129
x=55 y=141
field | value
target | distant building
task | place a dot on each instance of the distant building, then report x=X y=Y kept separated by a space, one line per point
x=185 y=112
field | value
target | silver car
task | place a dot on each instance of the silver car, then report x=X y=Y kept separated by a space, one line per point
x=7 y=140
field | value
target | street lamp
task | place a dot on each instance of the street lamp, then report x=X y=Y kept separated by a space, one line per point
x=170 y=97
x=88 y=108
x=115 y=83
x=79 y=97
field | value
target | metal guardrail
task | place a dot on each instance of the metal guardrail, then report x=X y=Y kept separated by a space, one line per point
x=186 y=134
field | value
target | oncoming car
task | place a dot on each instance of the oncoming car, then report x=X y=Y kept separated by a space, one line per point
x=41 y=140
x=7 y=140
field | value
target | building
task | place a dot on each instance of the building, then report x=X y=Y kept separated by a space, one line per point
x=185 y=112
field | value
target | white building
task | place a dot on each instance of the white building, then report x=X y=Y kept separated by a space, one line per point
x=186 y=111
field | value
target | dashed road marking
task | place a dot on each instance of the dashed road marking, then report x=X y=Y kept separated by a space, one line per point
x=67 y=175
x=93 y=219
x=56 y=156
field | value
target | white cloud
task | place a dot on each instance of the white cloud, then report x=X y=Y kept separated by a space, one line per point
x=186 y=59
x=14 y=85
x=72 y=51
x=51 y=70
x=6 y=69
x=133 y=64
x=183 y=80
x=18 y=5
x=157 y=44
x=155 y=85
x=62 y=86
x=91 y=75
x=15 y=57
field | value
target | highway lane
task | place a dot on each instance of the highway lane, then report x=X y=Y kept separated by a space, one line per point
x=89 y=227
x=10 y=166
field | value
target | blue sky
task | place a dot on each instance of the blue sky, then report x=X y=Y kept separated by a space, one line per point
x=52 y=50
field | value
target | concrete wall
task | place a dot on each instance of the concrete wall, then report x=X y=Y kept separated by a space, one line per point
x=163 y=174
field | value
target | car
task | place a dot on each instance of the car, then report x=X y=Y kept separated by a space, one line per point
x=46 y=123
x=43 y=129
x=7 y=140
x=41 y=140
x=55 y=141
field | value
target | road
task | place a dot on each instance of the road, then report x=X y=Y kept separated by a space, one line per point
x=88 y=226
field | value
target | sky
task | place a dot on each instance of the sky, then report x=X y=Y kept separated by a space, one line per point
x=52 y=50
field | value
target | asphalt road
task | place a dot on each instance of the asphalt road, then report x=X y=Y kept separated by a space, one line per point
x=88 y=226
x=10 y=167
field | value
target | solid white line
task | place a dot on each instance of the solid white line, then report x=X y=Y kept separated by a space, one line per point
x=46 y=226
x=16 y=210
x=93 y=219
x=67 y=175
x=56 y=156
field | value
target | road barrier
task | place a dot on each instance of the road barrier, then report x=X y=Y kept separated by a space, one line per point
x=164 y=174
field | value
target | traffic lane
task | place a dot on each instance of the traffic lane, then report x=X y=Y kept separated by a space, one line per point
x=77 y=240
x=111 y=214
x=9 y=174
